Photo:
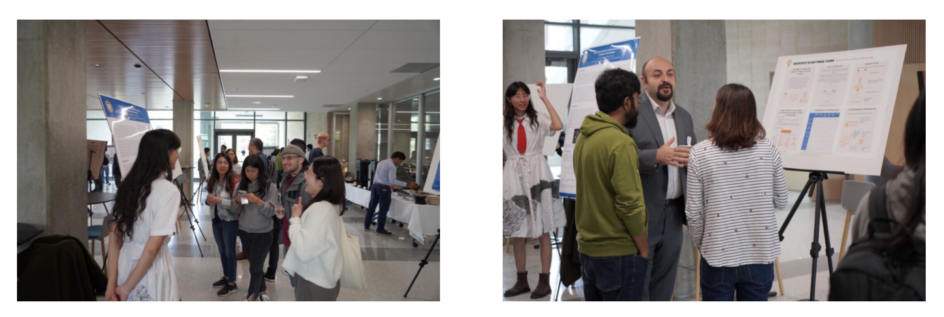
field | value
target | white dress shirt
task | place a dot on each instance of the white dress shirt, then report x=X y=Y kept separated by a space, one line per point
x=667 y=125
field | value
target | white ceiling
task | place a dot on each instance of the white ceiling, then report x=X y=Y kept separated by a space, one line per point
x=355 y=58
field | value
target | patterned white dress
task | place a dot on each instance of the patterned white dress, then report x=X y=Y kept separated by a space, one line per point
x=530 y=202
x=158 y=219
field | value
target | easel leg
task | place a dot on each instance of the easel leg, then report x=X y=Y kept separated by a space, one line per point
x=779 y=277
x=845 y=234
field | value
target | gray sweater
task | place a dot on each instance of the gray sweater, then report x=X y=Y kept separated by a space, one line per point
x=897 y=200
x=255 y=218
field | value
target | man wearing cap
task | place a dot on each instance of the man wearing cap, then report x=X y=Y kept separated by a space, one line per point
x=292 y=189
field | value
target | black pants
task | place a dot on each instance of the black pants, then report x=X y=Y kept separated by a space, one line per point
x=256 y=247
x=274 y=250
x=379 y=194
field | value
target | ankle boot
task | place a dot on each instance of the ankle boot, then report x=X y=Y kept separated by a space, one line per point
x=544 y=287
x=521 y=286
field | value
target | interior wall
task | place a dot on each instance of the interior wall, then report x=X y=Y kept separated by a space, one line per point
x=316 y=122
x=523 y=47
x=366 y=142
x=655 y=40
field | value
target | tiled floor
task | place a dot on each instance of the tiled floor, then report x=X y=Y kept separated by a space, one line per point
x=390 y=263
x=795 y=260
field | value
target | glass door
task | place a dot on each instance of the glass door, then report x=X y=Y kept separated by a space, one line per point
x=238 y=140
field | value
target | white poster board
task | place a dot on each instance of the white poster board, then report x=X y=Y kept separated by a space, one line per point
x=128 y=124
x=203 y=157
x=432 y=177
x=593 y=62
x=559 y=96
x=831 y=111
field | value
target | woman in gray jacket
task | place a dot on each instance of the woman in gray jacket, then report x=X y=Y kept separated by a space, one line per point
x=256 y=199
x=221 y=186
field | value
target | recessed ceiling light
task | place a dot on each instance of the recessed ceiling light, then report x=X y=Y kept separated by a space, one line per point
x=312 y=71
x=436 y=79
x=256 y=102
x=260 y=96
x=98 y=65
x=416 y=98
x=378 y=98
x=301 y=78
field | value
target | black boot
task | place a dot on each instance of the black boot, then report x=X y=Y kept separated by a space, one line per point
x=521 y=286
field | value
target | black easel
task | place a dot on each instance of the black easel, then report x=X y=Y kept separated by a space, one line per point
x=816 y=180
x=423 y=263
x=186 y=203
x=90 y=172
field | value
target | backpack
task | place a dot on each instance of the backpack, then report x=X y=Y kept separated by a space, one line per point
x=872 y=271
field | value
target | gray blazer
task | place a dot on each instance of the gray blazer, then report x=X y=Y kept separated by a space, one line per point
x=645 y=130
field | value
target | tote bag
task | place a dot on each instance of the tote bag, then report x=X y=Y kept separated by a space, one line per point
x=352 y=264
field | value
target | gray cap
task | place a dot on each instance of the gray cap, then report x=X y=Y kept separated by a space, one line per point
x=294 y=150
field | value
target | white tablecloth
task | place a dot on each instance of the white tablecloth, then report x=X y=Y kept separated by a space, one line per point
x=422 y=219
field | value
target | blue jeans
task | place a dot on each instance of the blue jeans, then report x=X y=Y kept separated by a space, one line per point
x=225 y=234
x=617 y=278
x=378 y=194
x=752 y=282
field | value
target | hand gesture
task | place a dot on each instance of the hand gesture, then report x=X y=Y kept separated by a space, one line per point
x=414 y=185
x=297 y=209
x=542 y=91
x=668 y=155
x=253 y=199
x=279 y=212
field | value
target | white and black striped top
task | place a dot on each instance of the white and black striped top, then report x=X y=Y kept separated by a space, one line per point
x=730 y=201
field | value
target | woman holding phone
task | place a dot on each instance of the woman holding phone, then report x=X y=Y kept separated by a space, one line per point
x=140 y=267
x=530 y=208
x=221 y=186
x=315 y=233
x=255 y=201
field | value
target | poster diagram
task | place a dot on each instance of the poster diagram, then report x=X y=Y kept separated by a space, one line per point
x=787 y=130
x=869 y=80
x=820 y=131
x=830 y=85
x=796 y=89
x=856 y=133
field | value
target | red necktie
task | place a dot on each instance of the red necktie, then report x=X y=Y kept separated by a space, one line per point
x=522 y=138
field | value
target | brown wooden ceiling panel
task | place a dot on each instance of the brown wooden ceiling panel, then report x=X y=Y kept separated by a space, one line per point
x=177 y=61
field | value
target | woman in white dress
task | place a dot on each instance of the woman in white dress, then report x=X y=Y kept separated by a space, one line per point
x=531 y=209
x=139 y=265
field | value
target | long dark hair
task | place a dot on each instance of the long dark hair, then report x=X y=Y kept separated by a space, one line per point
x=152 y=162
x=915 y=161
x=733 y=123
x=510 y=109
x=227 y=178
x=262 y=179
x=328 y=170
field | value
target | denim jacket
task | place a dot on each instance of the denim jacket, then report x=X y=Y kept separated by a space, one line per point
x=224 y=208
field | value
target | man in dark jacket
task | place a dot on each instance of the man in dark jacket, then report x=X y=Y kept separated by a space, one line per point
x=292 y=189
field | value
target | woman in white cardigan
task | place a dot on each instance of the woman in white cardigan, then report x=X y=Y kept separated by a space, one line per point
x=314 y=258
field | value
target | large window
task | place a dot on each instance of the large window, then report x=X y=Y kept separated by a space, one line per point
x=410 y=126
x=274 y=128
x=565 y=40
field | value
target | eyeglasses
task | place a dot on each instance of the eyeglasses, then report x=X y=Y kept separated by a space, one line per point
x=222 y=163
x=521 y=97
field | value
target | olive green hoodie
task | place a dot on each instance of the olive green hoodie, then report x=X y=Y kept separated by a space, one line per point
x=610 y=207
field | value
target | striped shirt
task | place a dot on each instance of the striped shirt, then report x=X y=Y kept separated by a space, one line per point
x=730 y=203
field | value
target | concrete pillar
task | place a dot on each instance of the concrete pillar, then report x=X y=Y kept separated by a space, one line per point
x=364 y=131
x=861 y=34
x=317 y=122
x=50 y=138
x=655 y=39
x=700 y=58
x=523 y=45
x=183 y=127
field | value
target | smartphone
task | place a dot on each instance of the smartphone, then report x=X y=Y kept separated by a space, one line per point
x=244 y=200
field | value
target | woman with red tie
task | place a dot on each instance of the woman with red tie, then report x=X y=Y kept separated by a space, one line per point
x=530 y=208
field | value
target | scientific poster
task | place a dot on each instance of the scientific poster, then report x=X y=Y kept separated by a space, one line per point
x=128 y=124
x=583 y=102
x=832 y=111
x=432 y=177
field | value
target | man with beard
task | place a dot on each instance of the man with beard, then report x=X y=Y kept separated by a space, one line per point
x=659 y=127
x=611 y=215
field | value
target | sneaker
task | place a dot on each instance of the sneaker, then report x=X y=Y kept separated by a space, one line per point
x=221 y=282
x=227 y=290
x=286 y=273
x=269 y=277
x=384 y=232
x=263 y=297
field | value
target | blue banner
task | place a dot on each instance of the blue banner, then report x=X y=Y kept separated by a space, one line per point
x=118 y=109
x=436 y=182
x=614 y=52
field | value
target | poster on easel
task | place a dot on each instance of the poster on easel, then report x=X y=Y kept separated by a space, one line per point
x=583 y=102
x=128 y=124
x=96 y=155
x=432 y=177
x=831 y=112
